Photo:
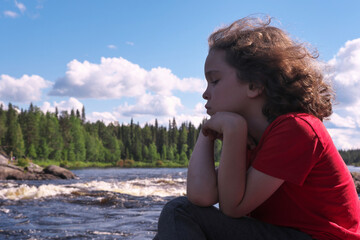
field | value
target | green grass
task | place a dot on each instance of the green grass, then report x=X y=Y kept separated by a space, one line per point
x=133 y=164
x=45 y=163
x=73 y=165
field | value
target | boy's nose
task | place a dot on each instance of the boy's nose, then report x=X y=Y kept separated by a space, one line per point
x=205 y=95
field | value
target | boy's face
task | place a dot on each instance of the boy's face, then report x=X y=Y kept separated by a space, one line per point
x=224 y=92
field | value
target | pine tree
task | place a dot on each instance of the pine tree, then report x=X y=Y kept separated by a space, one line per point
x=50 y=131
x=217 y=150
x=14 y=142
x=44 y=151
x=78 y=114
x=83 y=117
x=67 y=137
x=153 y=154
x=183 y=137
x=164 y=152
x=92 y=148
x=31 y=127
x=65 y=127
x=78 y=139
x=2 y=125
x=192 y=136
x=19 y=148
x=32 y=152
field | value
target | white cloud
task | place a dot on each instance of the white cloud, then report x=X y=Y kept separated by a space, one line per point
x=195 y=116
x=191 y=85
x=4 y=106
x=346 y=72
x=72 y=103
x=200 y=109
x=161 y=80
x=115 y=78
x=112 y=46
x=354 y=110
x=10 y=14
x=345 y=138
x=112 y=78
x=344 y=125
x=122 y=114
x=20 y=6
x=344 y=122
x=25 y=89
x=105 y=117
x=130 y=43
x=156 y=105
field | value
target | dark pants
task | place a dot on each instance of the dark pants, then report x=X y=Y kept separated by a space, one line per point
x=180 y=219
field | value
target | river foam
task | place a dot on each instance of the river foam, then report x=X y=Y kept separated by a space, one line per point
x=163 y=187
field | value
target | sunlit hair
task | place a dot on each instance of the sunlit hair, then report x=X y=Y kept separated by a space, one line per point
x=265 y=56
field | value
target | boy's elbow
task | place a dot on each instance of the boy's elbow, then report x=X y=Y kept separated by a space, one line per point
x=201 y=200
x=232 y=212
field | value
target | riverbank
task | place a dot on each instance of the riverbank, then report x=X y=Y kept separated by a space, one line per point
x=119 y=164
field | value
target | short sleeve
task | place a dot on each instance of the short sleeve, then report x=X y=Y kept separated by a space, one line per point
x=288 y=150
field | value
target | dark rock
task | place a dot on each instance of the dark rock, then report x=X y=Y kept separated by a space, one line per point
x=356 y=178
x=3 y=159
x=59 y=172
x=8 y=172
x=34 y=172
x=33 y=168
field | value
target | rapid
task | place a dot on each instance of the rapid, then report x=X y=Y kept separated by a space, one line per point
x=100 y=204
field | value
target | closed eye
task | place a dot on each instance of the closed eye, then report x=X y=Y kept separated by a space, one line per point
x=215 y=82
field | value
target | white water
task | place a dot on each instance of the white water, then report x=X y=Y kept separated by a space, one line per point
x=100 y=204
x=160 y=187
x=353 y=168
x=163 y=187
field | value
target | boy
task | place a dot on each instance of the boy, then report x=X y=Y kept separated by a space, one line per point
x=280 y=175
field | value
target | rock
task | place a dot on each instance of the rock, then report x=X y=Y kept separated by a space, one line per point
x=34 y=172
x=3 y=159
x=59 y=172
x=33 y=168
x=356 y=178
x=8 y=172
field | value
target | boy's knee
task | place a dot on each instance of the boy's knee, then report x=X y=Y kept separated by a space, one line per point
x=176 y=203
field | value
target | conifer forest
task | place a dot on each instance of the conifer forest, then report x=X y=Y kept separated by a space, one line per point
x=68 y=139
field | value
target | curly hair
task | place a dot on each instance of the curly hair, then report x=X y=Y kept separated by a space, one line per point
x=265 y=56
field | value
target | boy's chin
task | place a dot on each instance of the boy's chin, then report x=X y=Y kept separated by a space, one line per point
x=210 y=113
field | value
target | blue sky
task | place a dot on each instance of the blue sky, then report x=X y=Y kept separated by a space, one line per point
x=144 y=59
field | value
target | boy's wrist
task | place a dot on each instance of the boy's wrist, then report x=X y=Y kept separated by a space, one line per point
x=235 y=125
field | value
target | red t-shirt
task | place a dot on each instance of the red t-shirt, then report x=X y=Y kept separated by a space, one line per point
x=318 y=196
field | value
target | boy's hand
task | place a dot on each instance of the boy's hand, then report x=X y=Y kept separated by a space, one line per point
x=223 y=122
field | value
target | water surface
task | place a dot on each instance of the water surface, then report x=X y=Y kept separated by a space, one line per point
x=101 y=204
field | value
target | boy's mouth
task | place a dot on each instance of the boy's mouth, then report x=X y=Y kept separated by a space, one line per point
x=208 y=110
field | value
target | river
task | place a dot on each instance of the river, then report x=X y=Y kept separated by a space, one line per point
x=100 y=204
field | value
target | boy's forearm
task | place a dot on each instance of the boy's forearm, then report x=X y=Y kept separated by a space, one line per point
x=201 y=177
x=232 y=170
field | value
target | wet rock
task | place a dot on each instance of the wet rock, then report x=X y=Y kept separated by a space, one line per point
x=8 y=172
x=59 y=172
x=33 y=168
x=3 y=159
x=33 y=172
x=356 y=178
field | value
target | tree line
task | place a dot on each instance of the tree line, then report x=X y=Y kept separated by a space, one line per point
x=351 y=157
x=68 y=137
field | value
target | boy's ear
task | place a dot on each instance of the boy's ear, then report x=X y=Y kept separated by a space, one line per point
x=254 y=90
